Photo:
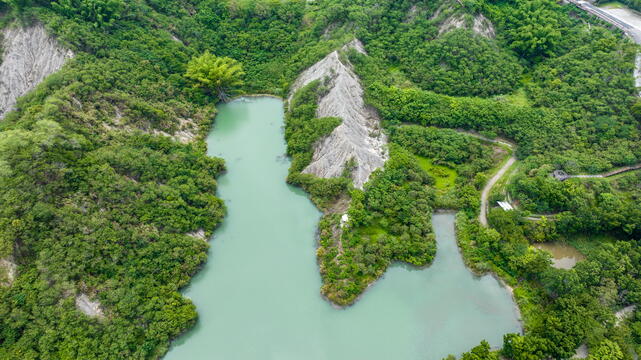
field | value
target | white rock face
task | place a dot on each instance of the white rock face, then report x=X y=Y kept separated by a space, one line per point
x=198 y=234
x=480 y=26
x=623 y=314
x=9 y=269
x=483 y=26
x=29 y=55
x=359 y=136
x=88 y=307
x=187 y=131
x=582 y=352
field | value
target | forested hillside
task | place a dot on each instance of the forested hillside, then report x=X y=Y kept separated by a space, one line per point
x=107 y=193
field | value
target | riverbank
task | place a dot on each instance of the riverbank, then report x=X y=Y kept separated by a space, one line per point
x=466 y=247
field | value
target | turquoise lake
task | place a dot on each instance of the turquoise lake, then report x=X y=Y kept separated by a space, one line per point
x=258 y=295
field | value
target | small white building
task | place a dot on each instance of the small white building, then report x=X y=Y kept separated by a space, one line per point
x=506 y=206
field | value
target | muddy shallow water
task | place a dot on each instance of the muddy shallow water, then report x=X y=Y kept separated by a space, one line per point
x=564 y=256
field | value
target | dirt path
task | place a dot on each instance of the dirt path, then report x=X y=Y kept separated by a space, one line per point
x=487 y=189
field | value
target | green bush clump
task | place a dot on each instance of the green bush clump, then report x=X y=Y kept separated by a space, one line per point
x=462 y=63
x=390 y=220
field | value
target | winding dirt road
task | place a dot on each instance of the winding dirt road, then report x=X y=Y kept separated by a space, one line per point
x=485 y=194
x=488 y=187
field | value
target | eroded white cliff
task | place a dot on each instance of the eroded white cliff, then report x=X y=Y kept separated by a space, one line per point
x=187 y=131
x=359 y=136
x=29 y=55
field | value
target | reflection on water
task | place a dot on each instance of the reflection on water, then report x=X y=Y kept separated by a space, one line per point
x=564 y=256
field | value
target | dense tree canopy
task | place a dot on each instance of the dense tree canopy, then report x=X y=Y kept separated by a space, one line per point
x=534 y=28
x=99 y=197
x=97 y=12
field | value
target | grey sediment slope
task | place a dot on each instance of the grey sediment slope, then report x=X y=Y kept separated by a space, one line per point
x=29 y=55
x=359 y=136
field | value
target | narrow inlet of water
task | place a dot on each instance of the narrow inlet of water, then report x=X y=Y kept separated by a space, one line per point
x=258 y=295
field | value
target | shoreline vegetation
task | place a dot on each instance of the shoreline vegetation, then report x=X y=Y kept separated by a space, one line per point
x=509 y=283
x=337 y=230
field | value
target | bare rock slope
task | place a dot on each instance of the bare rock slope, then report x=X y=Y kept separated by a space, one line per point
x=480 y=25
x=359 y=136
x=29 y=55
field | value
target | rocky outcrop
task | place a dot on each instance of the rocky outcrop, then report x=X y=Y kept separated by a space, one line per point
x=359 y=136
x=8 y=271
x=480 y=25
x=581 y=352
x=623 y=314
x=483 y=26
x=412 y=13
x=188 y=129
x=186 y=133
x=198 y=234
x=29 y=55
x=88 y=307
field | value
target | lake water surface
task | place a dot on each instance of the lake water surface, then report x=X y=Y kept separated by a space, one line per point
x=258 y=295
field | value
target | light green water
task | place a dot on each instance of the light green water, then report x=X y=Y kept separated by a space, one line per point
x=258 y=295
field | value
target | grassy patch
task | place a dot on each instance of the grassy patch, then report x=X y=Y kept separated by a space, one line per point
x=518 y=98
x=444 y=177
x=588 y=243
x=372 y=231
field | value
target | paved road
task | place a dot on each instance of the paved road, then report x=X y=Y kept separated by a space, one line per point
x=632 y=31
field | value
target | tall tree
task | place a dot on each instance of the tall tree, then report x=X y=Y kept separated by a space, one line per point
x=214 y=74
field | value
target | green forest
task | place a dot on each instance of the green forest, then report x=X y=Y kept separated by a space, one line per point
x=98 y=198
